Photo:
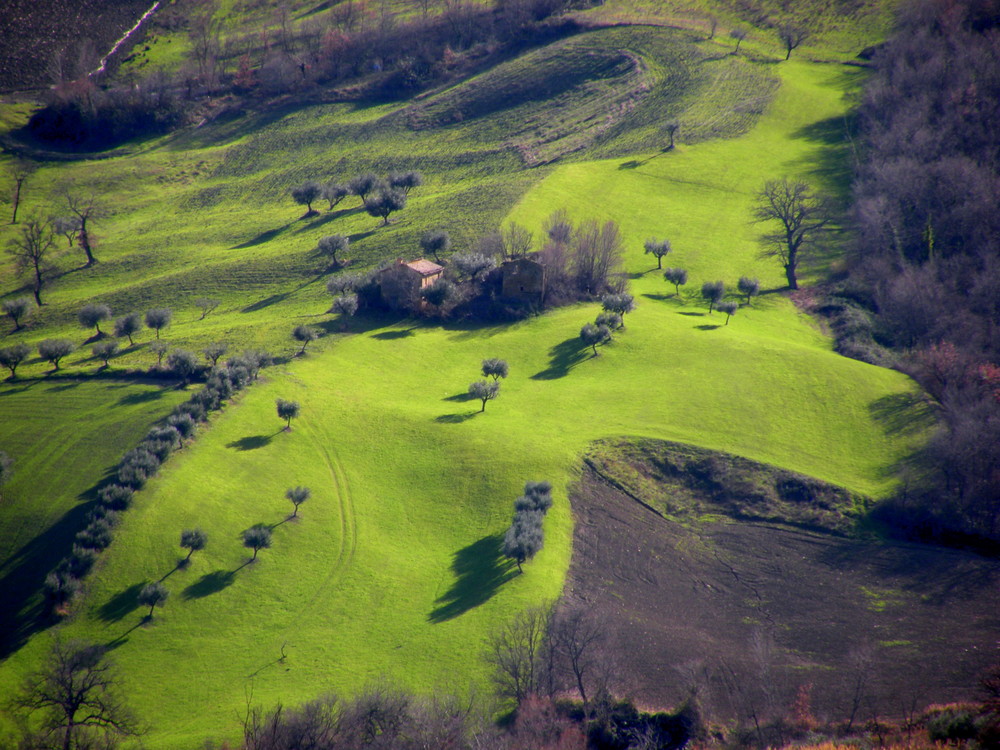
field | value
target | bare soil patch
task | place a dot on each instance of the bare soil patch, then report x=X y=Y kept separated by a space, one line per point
x=750 y=612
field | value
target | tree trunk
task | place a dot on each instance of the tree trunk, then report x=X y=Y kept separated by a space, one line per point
x=68 y=737
x=151 y=608
x=17 y=201
x=85 y=244
x=484 y=406
x=37 y=290
x=790 y=275
x=659 y=258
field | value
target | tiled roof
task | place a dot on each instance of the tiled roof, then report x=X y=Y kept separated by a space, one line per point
x=425 y=267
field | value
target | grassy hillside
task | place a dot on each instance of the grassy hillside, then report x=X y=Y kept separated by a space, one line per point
x=65 y=437
x=391 y=571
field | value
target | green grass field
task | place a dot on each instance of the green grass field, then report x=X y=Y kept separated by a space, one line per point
x=390 y=571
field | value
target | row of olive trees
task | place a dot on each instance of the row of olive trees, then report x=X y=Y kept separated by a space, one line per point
x=141 y=463
x=615 y=307
x=180 y=361
x=524 y=537
x=380 y=196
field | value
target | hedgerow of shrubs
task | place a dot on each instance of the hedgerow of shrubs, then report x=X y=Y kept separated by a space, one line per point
x=140 y=464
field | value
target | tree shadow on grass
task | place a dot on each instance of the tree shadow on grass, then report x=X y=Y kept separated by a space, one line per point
x=456 y=418
x=903 y=413
x=252 y=442
x=693 y=314
x=459 y=397
x=266 y=302
x=210 y=583
x=480 y=570
x=143 y=397
x=23 y=611
x=562 y=358
x=393 y=335
x=261 y=238
x=121 y=604
x=708 y=327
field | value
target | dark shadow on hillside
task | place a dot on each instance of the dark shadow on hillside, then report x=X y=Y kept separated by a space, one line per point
x=660 y=297
x=456 y=418
x=143 y=397
x=830 y=163
x=210 y=583
x=329 y=216
x=480 y=570
x=121 y=604
x=261 y=238
x=122 y=639
x=393 y=335
x=459 y=397
x=68 y=386
x=563 y=357
x=23 y=611
x=693 y=314
x=266 y=302
x=708 y=326
x=252 y=442
x=902 y=413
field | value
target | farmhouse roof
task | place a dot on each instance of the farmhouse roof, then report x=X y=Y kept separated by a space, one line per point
x=425 y=267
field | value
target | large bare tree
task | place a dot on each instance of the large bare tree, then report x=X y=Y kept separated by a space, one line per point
x=31 y=250
x=802 y=215
x=76 y=693
x=85 y=206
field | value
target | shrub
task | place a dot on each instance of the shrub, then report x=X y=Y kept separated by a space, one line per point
x=97 y=535
x=116 y=496
x=183 y=422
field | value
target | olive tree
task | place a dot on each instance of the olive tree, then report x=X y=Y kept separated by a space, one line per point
x=159 y=348
x=159 y=318
x=749 y=287
x=16 y=309
x=672 y=127
x=92 y=315
x=287 y=410
x=592 y=335
x=306 y=194
x=183 y=363
x=12 y=356
x=484 y=391
x=297 y=496
x=346 y=305
x=214 y=351
x=495 y=368
x=193 y=540
x=802 y=217
x=713 y=292
x=435 y=241
x=257 y=537
x=524 y=538
x=728 y=307
x=621 y=303
x=53 y=350
x=385 y=203
x=153 y=595
x=365 y=184
x=676 y=276
x=206 y=305
x=611 y=320
x=304 y=334
x=334 y=193
x=405 y=181
x=76 y=692
x=657 y=248
x=127 y=326
x=332 y=244
x=106 y=350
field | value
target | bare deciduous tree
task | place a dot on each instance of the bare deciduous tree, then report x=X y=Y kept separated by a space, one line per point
x=76 y=692
x=803 y=217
